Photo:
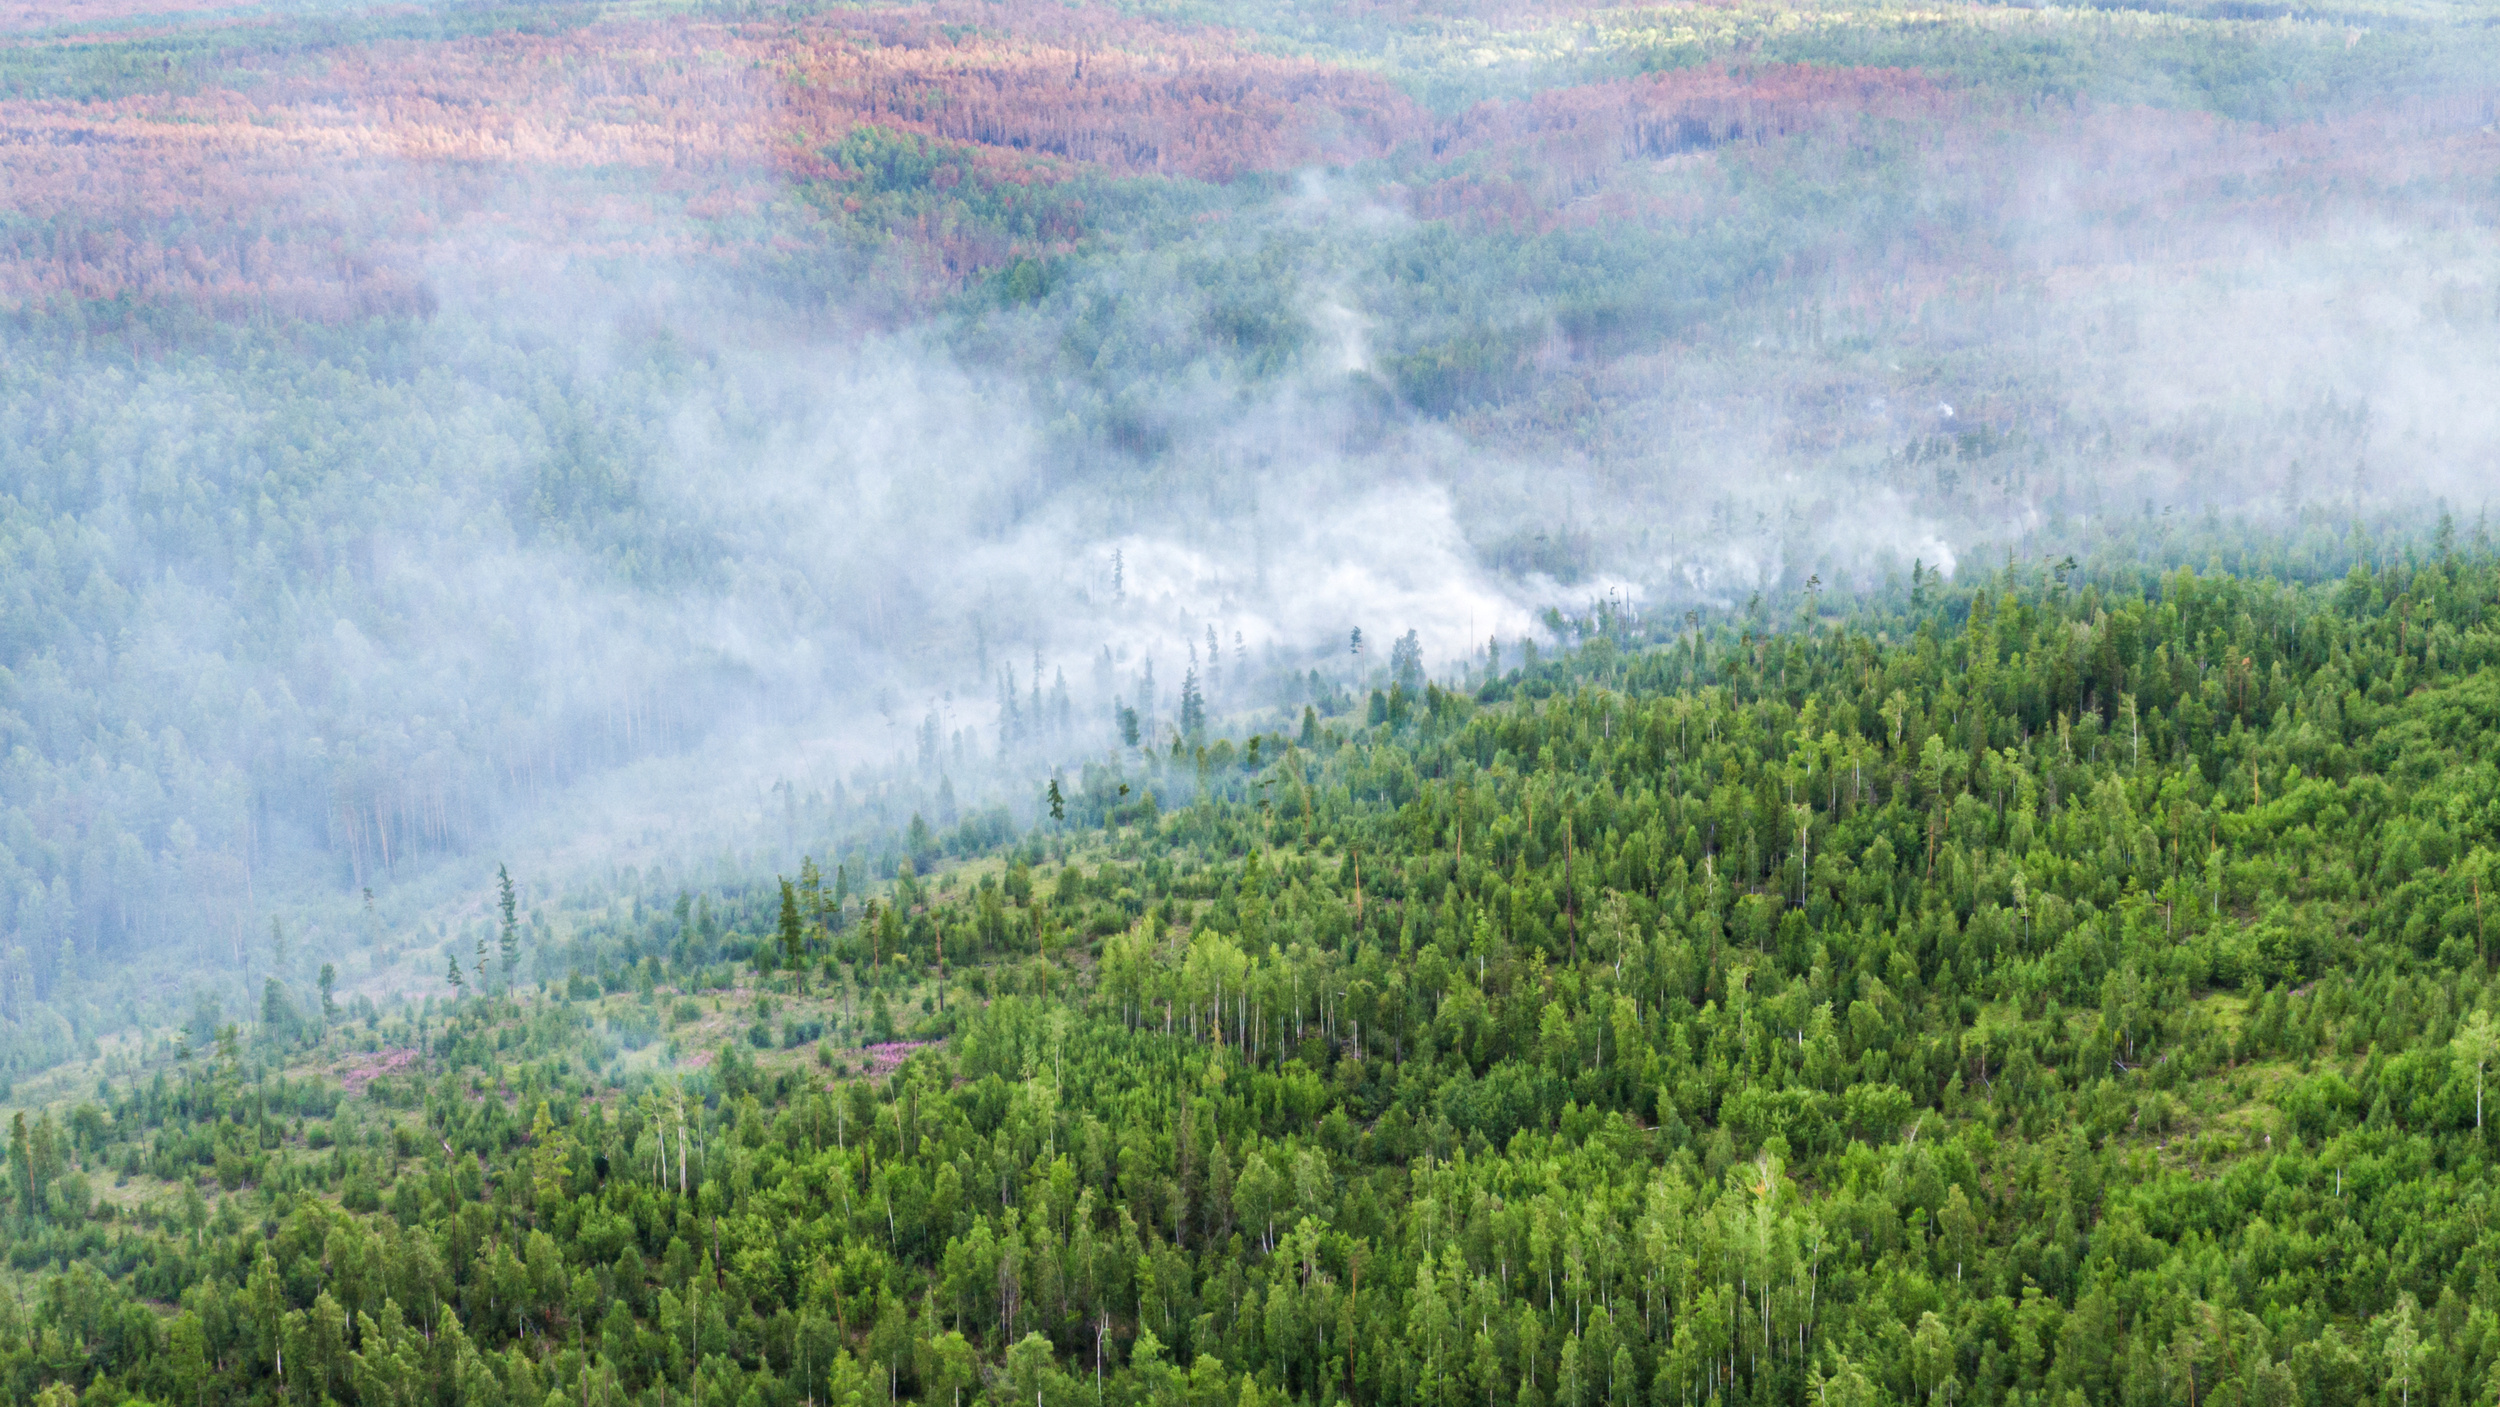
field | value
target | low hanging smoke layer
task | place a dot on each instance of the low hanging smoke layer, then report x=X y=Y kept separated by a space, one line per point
x=552 y=436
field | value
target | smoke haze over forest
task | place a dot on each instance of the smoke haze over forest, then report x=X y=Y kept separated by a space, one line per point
x=1249 y=703
x=417 y=414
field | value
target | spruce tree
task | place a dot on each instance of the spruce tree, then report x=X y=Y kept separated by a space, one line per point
x=793 y=937
x=510 y=938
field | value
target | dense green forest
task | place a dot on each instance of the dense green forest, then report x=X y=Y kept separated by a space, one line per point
x=1118 y=702
x=2054 y=986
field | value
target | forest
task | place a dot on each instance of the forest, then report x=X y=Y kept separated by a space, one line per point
x=1135 y=702
x=2047 y=987
x=327 y=333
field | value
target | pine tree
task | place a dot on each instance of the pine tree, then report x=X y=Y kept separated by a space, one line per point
x=793 y=937
x=1193 y=708
x=812 y=898
x=510 y=938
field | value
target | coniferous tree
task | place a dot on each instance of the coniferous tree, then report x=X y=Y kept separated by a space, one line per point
x=509 y=937
x=1193 y=720
x=793 y=936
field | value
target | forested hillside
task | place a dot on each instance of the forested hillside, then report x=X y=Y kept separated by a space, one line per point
x=417 y=418
x=1147 y=702
x=2054 y=987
